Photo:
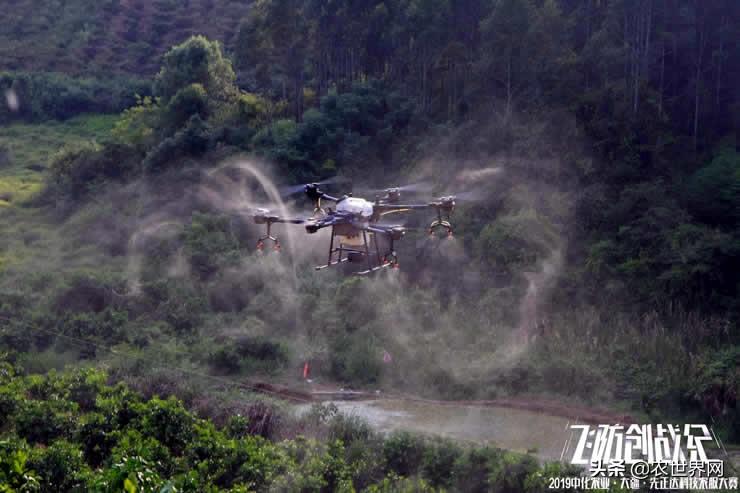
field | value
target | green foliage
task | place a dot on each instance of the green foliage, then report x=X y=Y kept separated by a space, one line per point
x=125 y=443
x=192 y=139
x=75 y=170
x=355 y=359
x=361 y=122
x=43 y=96
x=715 y=384
x=208 y=239
x=513 y=243
x=15 y=474
x=438 y=462
x=60 y=467
x=510 y=473
x=189 y=101
x=178 y=304
x=136 y=125
x=168 y=422
x=714 y=190
x=403 y=453
x=46 y=420
x=196 y=61
x=251 y=354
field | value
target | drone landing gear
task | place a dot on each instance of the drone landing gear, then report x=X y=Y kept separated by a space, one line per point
x=361 y=253
x=268 y=238
x=440 y=225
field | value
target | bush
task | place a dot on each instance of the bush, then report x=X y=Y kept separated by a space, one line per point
x=713 y=192
x=193 y=139
x=75 y=170
x=472 y=468
x=196 y=61
x=45 y=421
x=187 y=102
x=168 y=422
x=15 y=472
x=509 y=474
x=252 y=354
x=137 y=124
x=178 y=304
x=158 y=445
x=208 y=238
x=225 y=360
x=131 y=473
x=438 y=462
x=9 y=402
x=47 y=95
x=354 y=359
x=60 y=467
x=403 y=453
x=97 y=438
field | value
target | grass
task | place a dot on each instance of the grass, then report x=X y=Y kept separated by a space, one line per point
x=30 y=236
x=30 y=148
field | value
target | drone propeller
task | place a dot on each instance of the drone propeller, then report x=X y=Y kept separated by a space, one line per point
x=419 y=187
x=293 y=189
x=470 y=196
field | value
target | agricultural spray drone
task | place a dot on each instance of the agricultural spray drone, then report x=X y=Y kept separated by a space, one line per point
x=358 y=234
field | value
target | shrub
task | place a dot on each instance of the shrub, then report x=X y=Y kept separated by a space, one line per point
x=9 y=402
x=60 y=467
x=225 y=360
x=130 y=473
x=438 y=462
x=403 y=453
x=45 y=421
x=196 y=61
x=75 y=170
x=83 y=387
x=472 y=468
x=169 y=422
x=15 y=472
x=47 y=95
x=193 y=139
x=208 y=238
x=97 y=438
x=713 y=192
x=253 y=354
x=508 y=475
x=137 y=124
x=354 y=359
x=178 y=304
x=107 y=326
x=187 y=102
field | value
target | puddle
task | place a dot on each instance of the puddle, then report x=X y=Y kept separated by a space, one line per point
x=512 y=429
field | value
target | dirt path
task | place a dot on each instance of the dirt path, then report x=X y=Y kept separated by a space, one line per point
x=551 y=407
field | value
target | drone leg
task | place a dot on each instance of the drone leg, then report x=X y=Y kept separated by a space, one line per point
x=394 y=258
x=331 y=246
x=377 y=250
x=367 y=250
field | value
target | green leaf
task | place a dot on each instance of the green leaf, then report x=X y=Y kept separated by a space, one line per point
x=129 y=486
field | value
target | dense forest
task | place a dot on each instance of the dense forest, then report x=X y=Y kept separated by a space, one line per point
x=594 y=260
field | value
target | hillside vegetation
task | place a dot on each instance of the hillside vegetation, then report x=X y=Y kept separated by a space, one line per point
x=99 y=37
x=73 y=432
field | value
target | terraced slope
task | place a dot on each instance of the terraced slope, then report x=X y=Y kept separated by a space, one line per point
x=103 y=36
